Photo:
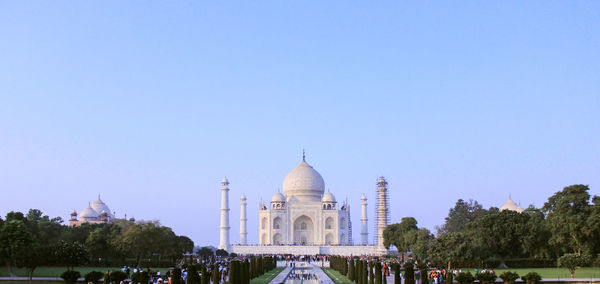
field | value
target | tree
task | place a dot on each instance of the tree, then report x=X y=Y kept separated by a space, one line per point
x=35 y=256
x=501 y=233
x=461 y=215
x=420 y=242
x=71 y=254
x=394 y=234
x=192 y=276
x=397 y=277
x=221 y=253
x=453 y=247
x=176 y=276
x=351 y=270
x=567 y=212
x=535 y=239
x=205 y=252
x=215 y=274
x=572 y=261
x=378 y=273
x=15 y=239
x=371 y=273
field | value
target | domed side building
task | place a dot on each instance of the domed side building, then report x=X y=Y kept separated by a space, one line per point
x=96 y=213
x=511 y=205
x=304 y=214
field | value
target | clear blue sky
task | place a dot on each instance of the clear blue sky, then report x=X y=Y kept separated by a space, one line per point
x=151 y=103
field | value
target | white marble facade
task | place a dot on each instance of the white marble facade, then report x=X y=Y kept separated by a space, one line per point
x=304 y=214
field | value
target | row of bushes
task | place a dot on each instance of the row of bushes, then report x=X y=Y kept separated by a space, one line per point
x=130 y=263
x=495 y=262
x=489 y=278
x=363 y=272
x=240 y=272
x=71 y=276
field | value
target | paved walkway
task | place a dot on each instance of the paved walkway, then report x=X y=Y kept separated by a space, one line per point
x=280 y=278
x=321 y=275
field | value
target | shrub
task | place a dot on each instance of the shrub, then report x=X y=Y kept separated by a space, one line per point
x=140 y=277
x=572 y=261
x=486 y=277
x=464 y=278
x=70 y=276
x=532 y=278
x=117 y=276
x=509 y=277
x=529 y=263
x=93 y=276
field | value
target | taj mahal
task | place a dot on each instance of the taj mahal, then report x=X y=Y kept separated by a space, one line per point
x=305 y=219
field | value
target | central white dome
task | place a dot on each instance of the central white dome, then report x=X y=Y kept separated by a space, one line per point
x=304 y=183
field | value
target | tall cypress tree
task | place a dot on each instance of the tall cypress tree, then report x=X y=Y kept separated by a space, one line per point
x=378 y=272
x=215 y=274
x=192 y=276
x=423 y=271
x=409 y=273
x=366 y=272
x=371 y=274
x=397 y=277
x=232 y=273
x=351 y=270
x=204 y=278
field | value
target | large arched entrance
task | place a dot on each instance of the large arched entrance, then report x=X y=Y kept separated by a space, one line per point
x=303 y=231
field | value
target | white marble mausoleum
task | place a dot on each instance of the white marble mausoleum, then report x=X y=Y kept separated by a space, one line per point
x=305 y=219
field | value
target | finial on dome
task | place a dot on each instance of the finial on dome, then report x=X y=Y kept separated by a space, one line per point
x=303 y=156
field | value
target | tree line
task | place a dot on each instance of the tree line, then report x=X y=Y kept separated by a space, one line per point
x=565 y=230
x=33 y=239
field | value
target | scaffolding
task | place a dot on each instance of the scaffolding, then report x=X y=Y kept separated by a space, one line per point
x=349 y=224
x=382 y=210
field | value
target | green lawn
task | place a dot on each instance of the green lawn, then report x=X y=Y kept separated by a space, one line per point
x=587 y=272
x=56 y=271
x=267 y=277
x=336 y=276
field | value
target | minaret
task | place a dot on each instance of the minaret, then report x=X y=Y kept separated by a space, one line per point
x=224 y=228
x=364 y=230
x=243 y=220
x=382 y=213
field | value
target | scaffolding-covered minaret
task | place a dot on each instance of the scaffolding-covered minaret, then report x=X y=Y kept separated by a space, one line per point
x=383 y=213
x=364 y=230
x=224 y=228
x=243 y=220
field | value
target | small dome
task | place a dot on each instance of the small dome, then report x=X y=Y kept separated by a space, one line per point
x=520 y=209
x=225 y=181
x=243 y=197
x=74 y=213
x=510 y=205
x=103 y=213
x=363 y=198
x=328 y=197
x=89 y=213
x=278 y=197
